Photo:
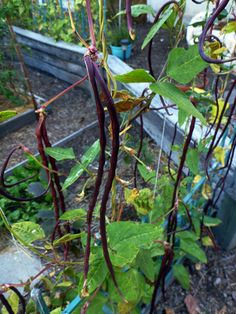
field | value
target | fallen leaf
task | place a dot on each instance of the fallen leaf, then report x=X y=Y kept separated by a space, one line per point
x=192 y=304
x=223 y=310
x=169 y=311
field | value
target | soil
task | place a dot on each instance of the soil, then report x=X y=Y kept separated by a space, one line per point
x=70 y=113
x=213 y=287
x=161 y=46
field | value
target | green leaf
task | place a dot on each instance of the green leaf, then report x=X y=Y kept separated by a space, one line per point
x=138 y=9
x=124 y=233
x=171 y=92
x=142 y=200
x=7 y=114
x=13 y=300
x=146 y=264
x=147 y=174
x=183 y=65
x=64 y=284
x=135 y=76
x=78 y=169
x=97 y=274
x=187 y=235
x=130 y=284
x=59 y=153
x=182 y=275
x=97 y=304
x=182 y=116
x=211 y=221
x=126 y=257
x=192 y=248
x=192 y=160
x=28 y=231
x=66 y=238
x=155 y=28
x=74 y=214
x=230 y=27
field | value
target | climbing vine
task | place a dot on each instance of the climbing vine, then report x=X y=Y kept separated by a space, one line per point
x=122 y=264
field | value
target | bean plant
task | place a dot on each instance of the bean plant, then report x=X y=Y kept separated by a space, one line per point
x=121 y=263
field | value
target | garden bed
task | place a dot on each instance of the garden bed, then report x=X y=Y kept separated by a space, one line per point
x=70 y=113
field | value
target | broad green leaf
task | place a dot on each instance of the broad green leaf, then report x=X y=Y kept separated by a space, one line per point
x=13 y=300
x=125 y=257
x=60 y=153
x=187 y=235
x=130 y=283
x=97 y=274
x=66 y=238
x=183 y=65
x=192 y=160
x=135 y=76
x=78 y=169
x=74 y=214
x=211 y=221
x=145 y=263
x=125 y=232
x=182 y=275
x=7 y=114
x=138 y=9
x=97 y=304
x=192 y=248
x=171 y=92
x=28 y=231
x=155 y=28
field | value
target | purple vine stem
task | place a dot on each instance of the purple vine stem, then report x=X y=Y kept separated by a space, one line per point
x=219 y=8
x=128 y=4
x=102 y=139
x=90 y=22
x=115 y=129
x=150 y=44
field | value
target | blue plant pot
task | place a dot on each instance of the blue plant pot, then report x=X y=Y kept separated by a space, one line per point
x=118 y=52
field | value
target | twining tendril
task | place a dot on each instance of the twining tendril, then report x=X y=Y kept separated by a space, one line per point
x=219 y=8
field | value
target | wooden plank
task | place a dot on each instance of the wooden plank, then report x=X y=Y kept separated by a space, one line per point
x=57 y=62
x=64 y=54
x=55 y=71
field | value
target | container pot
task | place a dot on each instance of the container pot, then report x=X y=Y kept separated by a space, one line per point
x=120 y=53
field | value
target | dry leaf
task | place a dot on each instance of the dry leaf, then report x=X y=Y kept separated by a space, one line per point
x=169 y=311
x=223 y=310
x=192 y=304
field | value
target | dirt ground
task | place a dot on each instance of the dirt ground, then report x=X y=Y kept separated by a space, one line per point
x=70 y=113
